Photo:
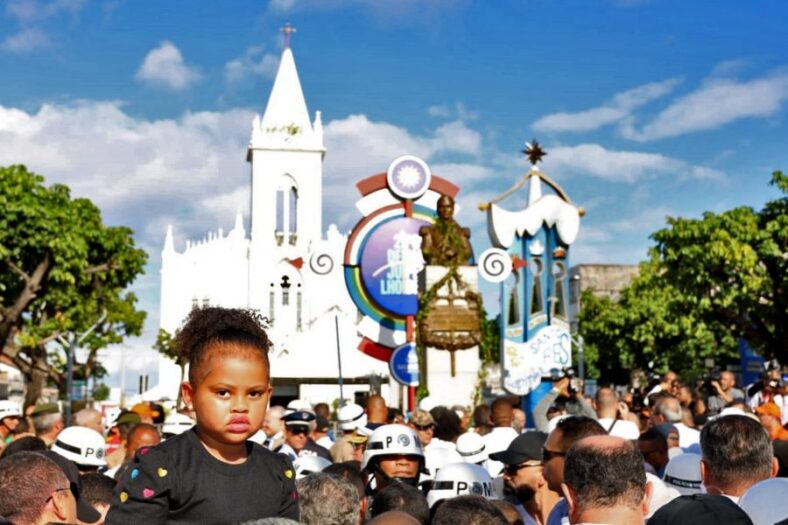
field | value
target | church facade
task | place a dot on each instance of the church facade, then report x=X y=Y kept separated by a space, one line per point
x=285 y=267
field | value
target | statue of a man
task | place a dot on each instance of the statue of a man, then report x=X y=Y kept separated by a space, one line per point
x=446 y=243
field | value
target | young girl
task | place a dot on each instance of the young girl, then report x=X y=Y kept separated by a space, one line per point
x=212 y=474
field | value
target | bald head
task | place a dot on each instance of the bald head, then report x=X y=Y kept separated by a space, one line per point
x=668 y=409
x=501 y=413
x=377 y=412
x=393 y=517
x=141 y=435
x=90 y=418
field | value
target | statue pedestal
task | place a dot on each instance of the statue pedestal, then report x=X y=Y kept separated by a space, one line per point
x=432 y=274
x=452 y=376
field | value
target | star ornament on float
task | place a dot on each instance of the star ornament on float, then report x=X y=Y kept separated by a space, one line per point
x=408 y=177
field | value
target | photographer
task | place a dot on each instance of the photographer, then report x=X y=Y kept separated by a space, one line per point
x=720 y=386
x=576 y=403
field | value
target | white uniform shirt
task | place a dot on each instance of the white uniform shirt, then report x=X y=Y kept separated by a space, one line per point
x=497 y=441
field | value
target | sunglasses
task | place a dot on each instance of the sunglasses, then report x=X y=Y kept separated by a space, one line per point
x=514 y=469
x=547 y=455
x=424 y=427
x=298 y=430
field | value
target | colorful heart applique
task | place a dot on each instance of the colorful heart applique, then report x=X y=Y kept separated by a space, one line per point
x=124 y=496
x=135 y=473
x=162 y=472
x=144 y=451
x=147 y=493
x=288 y=473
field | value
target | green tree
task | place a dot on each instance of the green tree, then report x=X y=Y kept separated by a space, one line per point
x=165 y=345
x=708 y=282
x=61 y=269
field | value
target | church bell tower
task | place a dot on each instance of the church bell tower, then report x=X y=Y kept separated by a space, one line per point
x=286 y=154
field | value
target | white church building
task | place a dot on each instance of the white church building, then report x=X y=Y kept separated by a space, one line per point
x=285 y=267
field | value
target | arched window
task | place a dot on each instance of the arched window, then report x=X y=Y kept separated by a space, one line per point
x=293 y=219
x=271 y=303
x=559 y=301
x=536 y=304
x=513 y=309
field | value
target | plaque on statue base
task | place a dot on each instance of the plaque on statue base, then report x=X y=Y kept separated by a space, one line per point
x=452 y=318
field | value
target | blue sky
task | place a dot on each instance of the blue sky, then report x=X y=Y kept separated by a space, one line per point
x=647 y=108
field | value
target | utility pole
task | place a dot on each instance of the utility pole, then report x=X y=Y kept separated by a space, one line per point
x=70 y=344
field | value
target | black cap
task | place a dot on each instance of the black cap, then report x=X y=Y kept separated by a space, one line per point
x=700 y=509
x=299 y=417
x=85 y=511
x=525 y=447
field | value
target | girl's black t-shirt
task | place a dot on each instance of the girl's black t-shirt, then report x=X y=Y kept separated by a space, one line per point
x=178 y=481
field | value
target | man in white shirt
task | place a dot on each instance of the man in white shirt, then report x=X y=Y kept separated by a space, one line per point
x=668 y=410
x=502 y=433
x=523 y=472
x=274 y=427
x=437 y=453
x=608 y=409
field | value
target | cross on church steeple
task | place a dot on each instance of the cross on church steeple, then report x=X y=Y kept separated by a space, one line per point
x=287 y=30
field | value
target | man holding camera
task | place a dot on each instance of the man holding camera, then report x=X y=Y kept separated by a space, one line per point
x=721 y=392
x=576 y=403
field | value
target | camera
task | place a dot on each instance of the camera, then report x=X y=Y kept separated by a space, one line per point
x=557 y=374
x=715 y=374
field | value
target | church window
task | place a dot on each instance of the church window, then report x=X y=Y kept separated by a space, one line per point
x=559 y=301
x=298 y=309
x=293 y=211
x=285 y=284
x=195 y=303
x=280 y=211
x=536 y=304
x=271 y=303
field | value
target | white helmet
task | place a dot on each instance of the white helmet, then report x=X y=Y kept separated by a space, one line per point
x=397 y=440
x=9 y=409
x=683 y=474
x=84 y=446
x=300 y=405
x=176 y=424
x=471 y=447
x=306 y=465
x=765 y=502
x=351 y=417
x=661 y=494
x=460 y=479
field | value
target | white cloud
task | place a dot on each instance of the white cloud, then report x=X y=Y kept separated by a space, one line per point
x=282 y=6
x=32 y=15
x=620 y=166
x=25 y=40
x=27 y=11
x=254 y=62
x=717 y=103
x=615 y=110
x=164 y=67
x=413 y=11
x=459 y=111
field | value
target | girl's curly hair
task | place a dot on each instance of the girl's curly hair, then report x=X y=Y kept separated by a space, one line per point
x=209 y=327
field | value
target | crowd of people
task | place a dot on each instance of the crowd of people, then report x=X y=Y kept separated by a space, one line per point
x=665 y=453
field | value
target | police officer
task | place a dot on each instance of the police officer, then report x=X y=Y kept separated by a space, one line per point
x=298 y=426
x=84 y=446
x=393 y=454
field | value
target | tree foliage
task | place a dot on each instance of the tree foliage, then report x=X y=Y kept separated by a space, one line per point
x=61 y=269
x=707 y=283
x=165 y=345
